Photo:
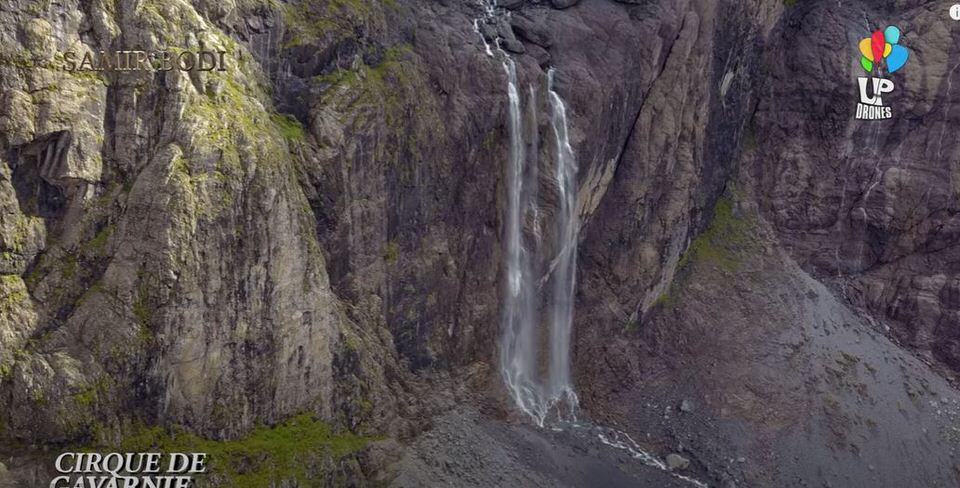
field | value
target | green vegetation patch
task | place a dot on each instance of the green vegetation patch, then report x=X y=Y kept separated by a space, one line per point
x=293 y=450
x=289 y=126
x=97 y=245
x=96 y=287
x=12 y=292
x=25 y=229
x=69 y=270
x=391 y=252
x=309 y=22
x=141 y=310
x=91 y=394
x=723 y=239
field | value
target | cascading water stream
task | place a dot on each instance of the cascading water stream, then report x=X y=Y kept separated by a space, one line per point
x=535 y=356
x=518 y=356
x=565 y=271
x=541 y=391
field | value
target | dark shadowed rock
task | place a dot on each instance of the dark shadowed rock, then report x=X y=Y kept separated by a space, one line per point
x=561 y=4
x=508 y=39
x=513 y=46
x=540 y=54
x=531 y=29
x=879 y=225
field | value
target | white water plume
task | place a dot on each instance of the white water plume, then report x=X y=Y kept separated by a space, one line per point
x=565 y=272
x=537 y=306
x=518 y=355
x=538 y=389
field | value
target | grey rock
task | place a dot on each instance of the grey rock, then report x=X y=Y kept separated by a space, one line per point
x=505 y=30
x=513 y=46
x=561 y=4
x=489 y=31
x=531 y=29
x=508 y=39
x=540 y=54
x=510 y=4
x=255 y=23
x=686 y=406
x=676 y=462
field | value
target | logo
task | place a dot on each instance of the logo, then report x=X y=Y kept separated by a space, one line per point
x=880 y=53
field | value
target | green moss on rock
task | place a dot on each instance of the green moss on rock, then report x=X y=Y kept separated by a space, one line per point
x=309 y=22
x=91 y=394
x=12 y=293
x=297 y=450
x=96 y=287
x=390 y=98
x=69 y=269
x=722 y=241
x=391 y=252
x=289 y=126
x=97 y=245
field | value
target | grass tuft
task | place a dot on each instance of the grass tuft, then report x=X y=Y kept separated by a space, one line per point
x=294 y=450
x=722 y=240
x=288 y=126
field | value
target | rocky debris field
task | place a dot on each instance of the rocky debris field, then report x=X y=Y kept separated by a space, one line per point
x=469 y=449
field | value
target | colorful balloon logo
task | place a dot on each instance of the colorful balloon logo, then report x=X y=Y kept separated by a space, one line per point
x=883 y=45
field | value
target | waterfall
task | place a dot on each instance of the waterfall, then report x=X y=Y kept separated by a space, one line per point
x=535 y=260
x=535 y=392
x=565 y=271
x=540 y=245
x=518 y=356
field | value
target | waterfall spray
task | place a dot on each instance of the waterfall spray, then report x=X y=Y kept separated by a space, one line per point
x=518 y=355
x=565 y=270
x=535 y=261
x=538 y=381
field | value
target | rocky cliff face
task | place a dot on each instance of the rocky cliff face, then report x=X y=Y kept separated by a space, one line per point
x=318 y=227
x=871 y=205
x=161 y=252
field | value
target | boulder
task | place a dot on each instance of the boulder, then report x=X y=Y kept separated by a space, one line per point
x=531 y=30
x=677 y=462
